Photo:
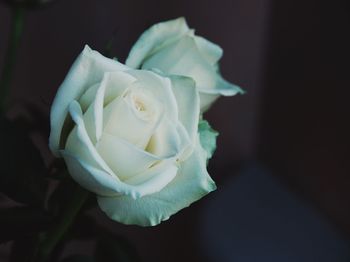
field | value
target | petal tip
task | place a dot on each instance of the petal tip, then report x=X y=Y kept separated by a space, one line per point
x=87 y=49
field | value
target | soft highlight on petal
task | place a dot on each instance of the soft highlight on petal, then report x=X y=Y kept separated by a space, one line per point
x=186 y=54
x=187 y=99
x=191 y=183
x=87 y=70
x=90 y=177
x=155 y=38
x=183 y=58
x=103 y=184
x=212 y=52
x=79 y=142
x=125 y=159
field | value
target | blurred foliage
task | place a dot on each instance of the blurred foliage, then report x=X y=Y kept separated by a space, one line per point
x=63 y=194
x=21 y=222
x=22 y=170
x=111 y=248
x=78 y=258
x=34 y=120
x=21 y=249
x=25 y=180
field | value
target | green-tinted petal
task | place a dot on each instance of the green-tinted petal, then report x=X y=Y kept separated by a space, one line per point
x=222 y=87
x=226 y=88
x=184 y=58
x=191 y=183
x=187 y=99
x=207 y=137
x=212 y=52
x=155 y=38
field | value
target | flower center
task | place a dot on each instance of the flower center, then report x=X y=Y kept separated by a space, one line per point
x=142 y=104
x=139 y=105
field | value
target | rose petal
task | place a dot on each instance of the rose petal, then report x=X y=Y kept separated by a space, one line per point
x=88 y=97
x=103 y=184
x=166 y=140
x=187 y=102
x=87 y=157
x=190 y=184
x=93 y=117
x=116 y=83
x=87 y=70
x=79 y=142
x=156 y=177
x=224 y=88
x=212 y=52
x=184 y=58
x=206 y=100
x=121 y=120
x=155 y=38
x=90 y=177
x=124 y=158
x=161 y=89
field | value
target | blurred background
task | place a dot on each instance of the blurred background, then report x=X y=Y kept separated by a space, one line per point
x=282 y=164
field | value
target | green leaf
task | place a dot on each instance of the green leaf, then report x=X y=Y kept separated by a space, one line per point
x=22 y=170
x=207 y=137
x=113 y=248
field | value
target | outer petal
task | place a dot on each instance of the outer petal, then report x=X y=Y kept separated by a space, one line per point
x=207 y=137
x=212 y=52
x=207 y=100
x=79 y=143
x=187 y=99
x=184 y=58
x=191 y=183
x=87 y=70
x=103 y=184
x=90 y=177
x=155 y=38
x=223 y=87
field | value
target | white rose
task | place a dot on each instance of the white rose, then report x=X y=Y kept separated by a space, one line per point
x=173 y=48
x=131 y=137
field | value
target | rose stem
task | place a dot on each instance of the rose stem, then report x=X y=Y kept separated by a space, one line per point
x=52 y=238
x=11 y=53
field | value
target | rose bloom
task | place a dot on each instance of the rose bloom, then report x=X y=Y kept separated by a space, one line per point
x=131 y=137
x=173 y=48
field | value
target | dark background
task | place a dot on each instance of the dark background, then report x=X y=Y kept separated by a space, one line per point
x=292 y=58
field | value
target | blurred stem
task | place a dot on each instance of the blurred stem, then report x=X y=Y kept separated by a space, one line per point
x=11 y=53
x=48 y=242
